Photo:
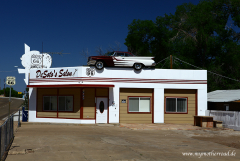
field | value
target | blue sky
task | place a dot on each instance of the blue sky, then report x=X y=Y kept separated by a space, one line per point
x=69 y=26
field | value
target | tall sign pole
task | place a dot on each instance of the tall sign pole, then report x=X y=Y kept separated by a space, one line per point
x=9 y=102
x=11 y=81
x=4 y=88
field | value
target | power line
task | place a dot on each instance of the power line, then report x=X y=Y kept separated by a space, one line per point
x=164 y=63
x=162 y=60
x=207 y=70
x=9 y=71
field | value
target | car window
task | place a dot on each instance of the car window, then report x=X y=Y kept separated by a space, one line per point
x=119 y=54
x=127 y=54
x=109 y=54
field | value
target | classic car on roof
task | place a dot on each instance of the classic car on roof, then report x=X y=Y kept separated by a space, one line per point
x=121 y=59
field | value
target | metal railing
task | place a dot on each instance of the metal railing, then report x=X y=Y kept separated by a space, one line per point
x=7 y=134
x=230 y=119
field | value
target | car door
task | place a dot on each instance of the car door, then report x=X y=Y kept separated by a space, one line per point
x=120 y=59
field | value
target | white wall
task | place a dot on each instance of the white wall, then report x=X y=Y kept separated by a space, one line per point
x=157 y=79
x=114 y=105
x=158 y=105
x=32 y=104
x=202 y=101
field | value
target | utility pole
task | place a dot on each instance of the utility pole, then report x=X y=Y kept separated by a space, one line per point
x=171 y=61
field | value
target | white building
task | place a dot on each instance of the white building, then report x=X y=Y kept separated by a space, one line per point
x=116 y=95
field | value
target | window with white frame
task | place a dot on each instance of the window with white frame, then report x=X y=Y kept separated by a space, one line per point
x=50 y=103
x=139 y=104
x=65 y=103
x=176 y=105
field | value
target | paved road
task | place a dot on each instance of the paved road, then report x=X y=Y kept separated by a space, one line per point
x=4 y=106
x=102 y=143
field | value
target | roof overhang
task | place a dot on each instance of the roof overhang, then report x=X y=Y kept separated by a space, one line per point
x=69 y=85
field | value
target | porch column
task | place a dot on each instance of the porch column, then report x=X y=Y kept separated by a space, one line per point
x=32 y=104
x=114 y=104
x=158 y=105
x=202 y=105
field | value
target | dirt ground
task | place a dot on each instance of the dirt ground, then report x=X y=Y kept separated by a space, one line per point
x=97 y=142
x=229 y=139
x=223 y=136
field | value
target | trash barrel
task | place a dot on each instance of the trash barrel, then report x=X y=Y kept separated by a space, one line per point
x=24 y=115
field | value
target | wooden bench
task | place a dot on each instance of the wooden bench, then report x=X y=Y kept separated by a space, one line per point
x=203 y=121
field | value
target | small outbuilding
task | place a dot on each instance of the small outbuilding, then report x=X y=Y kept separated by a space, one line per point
x=224 y=100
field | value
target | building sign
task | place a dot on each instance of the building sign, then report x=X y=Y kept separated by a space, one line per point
x=34 y=59
x=57 y=73
x=90 y=72
x=11 y=81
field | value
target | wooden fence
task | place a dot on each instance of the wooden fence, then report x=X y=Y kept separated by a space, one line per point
x=230 y=119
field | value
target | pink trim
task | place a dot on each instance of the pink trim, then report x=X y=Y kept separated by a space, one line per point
x=123 y=80
x=70 y=85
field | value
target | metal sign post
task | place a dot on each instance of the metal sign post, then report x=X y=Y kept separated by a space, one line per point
x=11 y=81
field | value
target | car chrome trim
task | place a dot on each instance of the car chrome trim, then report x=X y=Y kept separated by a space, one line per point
x=91 y=62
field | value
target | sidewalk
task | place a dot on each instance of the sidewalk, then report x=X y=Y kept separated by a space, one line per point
x=168 y=127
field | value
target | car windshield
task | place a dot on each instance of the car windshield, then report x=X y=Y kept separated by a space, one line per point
x=109 y=54
x=127 y=54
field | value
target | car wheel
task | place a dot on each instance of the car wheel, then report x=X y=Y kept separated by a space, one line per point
x=99 y=65
x=137 y=66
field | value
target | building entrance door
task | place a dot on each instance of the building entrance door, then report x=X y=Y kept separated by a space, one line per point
x=101 y=110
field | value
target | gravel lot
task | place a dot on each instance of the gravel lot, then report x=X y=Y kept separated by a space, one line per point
x=97 y=142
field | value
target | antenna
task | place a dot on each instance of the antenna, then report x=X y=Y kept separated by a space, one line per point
x=59 y=53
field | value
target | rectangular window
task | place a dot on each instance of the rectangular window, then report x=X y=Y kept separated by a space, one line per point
x=139 y=104
x=65 y=103
x=176 y=105
x=50 y=103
